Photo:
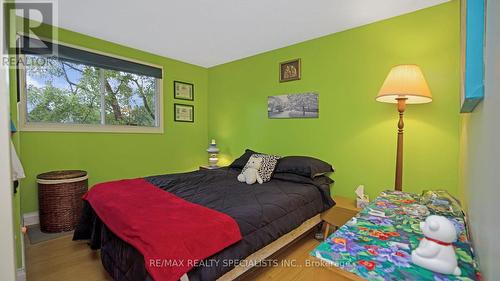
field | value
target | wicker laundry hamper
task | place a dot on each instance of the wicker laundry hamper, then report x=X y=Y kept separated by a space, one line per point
x=60 y=199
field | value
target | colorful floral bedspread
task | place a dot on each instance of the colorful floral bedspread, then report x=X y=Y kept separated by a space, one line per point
x=378 y=247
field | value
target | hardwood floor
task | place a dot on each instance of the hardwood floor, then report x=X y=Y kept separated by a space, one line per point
x=62 y=259
x=306 y=267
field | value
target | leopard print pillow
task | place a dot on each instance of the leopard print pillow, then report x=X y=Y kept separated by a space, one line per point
x=268 y=165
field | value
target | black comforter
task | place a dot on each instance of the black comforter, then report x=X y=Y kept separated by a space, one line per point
x=263 y=212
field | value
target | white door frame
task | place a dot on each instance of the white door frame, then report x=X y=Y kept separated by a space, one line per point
x=7 y=247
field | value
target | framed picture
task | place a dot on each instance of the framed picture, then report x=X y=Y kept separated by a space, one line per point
x=290 y=70
x=305 y=105
x=183 y=90
x=183 y=112
x=473 y=33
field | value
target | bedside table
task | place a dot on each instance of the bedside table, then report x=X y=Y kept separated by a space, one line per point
x=338 y=215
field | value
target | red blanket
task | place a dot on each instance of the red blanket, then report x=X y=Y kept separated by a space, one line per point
x=171 y=233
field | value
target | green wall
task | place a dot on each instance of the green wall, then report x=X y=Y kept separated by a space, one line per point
x=354 y=132
x=108 y=156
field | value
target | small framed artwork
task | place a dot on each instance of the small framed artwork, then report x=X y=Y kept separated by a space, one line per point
x=290 y=70
x=183 y=90
x=183 y=112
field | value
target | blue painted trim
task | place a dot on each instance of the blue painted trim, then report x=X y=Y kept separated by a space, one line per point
x=474 y=55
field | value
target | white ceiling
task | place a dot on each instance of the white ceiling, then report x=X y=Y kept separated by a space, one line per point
x=212 y=32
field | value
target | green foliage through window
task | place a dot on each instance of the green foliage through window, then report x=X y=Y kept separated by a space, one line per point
x=59 y=91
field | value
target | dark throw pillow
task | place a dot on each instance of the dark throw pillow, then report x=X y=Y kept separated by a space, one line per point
x=304 y=166
x=243 y=159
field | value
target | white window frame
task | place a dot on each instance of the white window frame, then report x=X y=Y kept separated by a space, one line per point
x=26 y=126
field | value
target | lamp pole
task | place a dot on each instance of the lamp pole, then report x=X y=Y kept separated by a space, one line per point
x=406 y=85
x=398 y=185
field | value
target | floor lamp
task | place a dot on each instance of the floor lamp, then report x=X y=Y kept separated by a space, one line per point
x=405 y=84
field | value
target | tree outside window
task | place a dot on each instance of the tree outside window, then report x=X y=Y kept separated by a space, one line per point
x=60 y=91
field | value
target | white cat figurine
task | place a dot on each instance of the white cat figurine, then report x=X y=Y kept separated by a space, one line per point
x=435 y=251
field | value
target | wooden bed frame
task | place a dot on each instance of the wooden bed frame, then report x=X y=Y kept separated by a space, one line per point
x=277 y=245
x=270 y=249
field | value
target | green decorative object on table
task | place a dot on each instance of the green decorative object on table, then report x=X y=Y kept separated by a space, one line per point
x=377 y=243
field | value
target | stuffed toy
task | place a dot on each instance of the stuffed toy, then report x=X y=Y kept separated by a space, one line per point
x=250 y=173
x=435 y=251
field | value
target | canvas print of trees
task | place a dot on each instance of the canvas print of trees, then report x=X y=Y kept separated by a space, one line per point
x=305 y=105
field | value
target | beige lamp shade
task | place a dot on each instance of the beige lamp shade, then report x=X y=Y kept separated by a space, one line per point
x=405 y=81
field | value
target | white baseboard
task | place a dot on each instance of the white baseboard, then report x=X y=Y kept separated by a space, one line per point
x=31 y=218
x=21 y=274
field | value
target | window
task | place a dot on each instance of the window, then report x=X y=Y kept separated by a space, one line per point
x=78 y=92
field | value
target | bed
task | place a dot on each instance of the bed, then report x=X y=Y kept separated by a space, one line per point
x=267 y=215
